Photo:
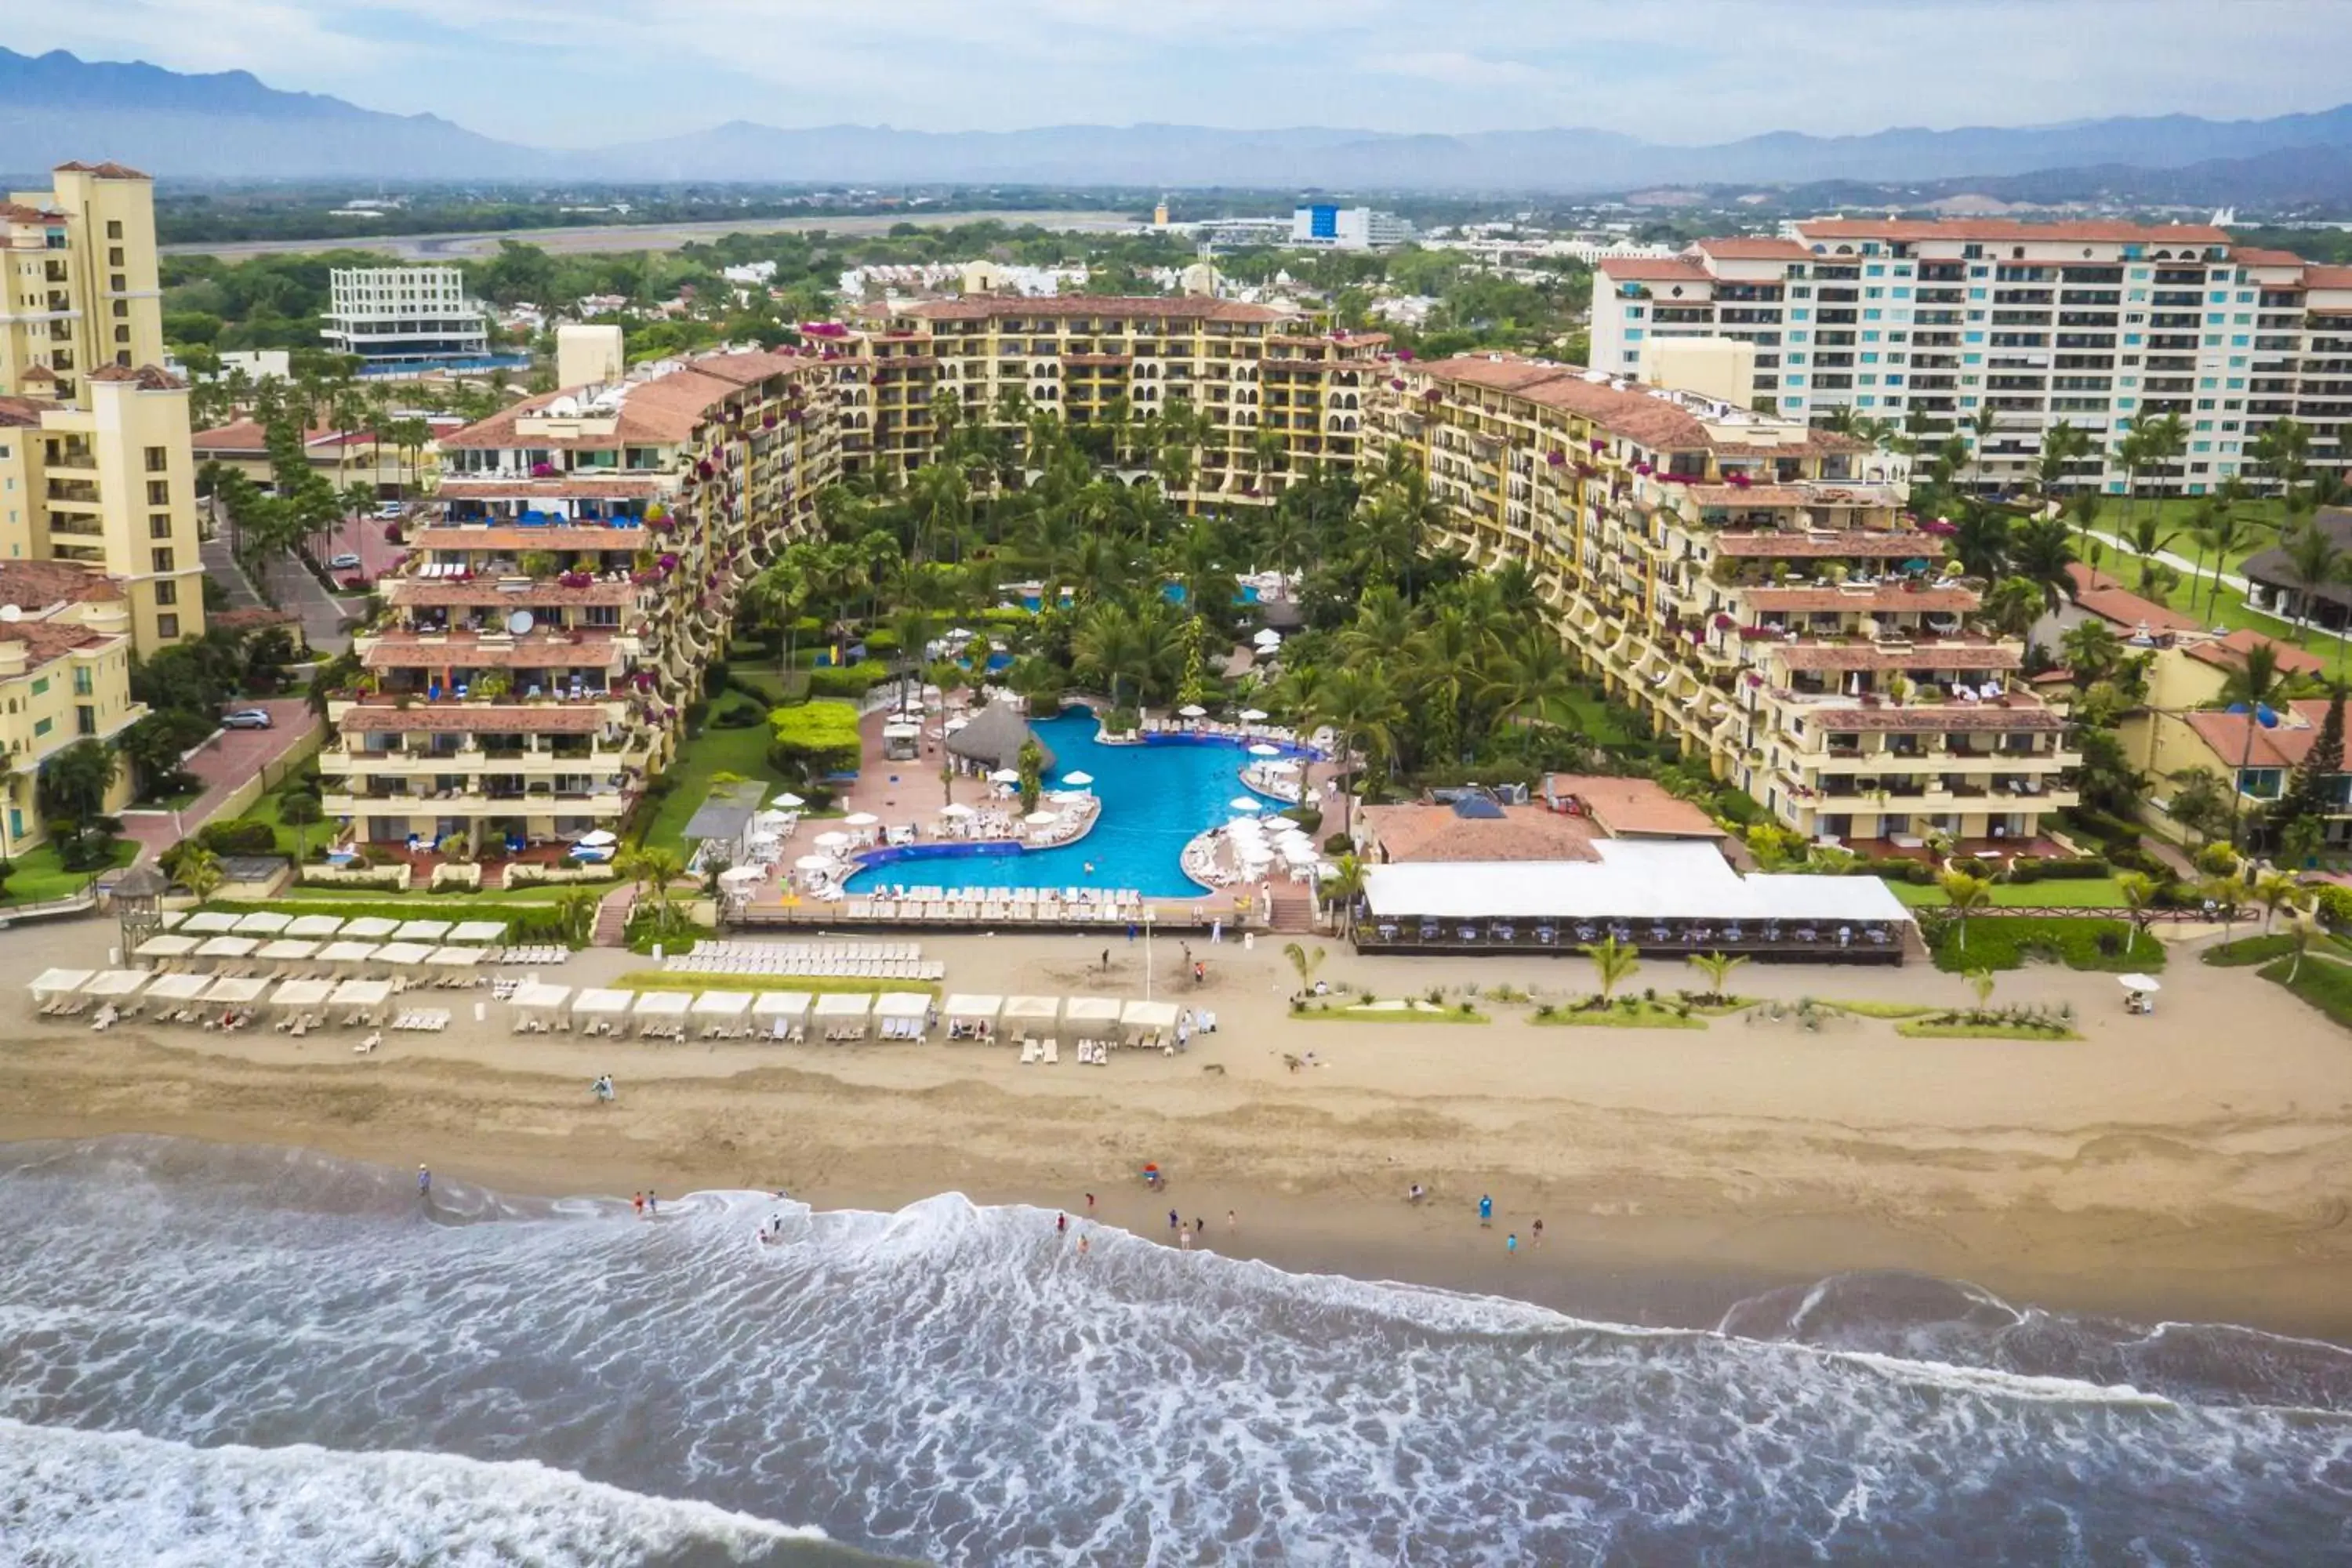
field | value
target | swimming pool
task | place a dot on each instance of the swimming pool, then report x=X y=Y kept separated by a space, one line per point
x=1155 y=798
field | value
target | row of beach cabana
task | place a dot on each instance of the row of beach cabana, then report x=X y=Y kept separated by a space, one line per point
x=321 y=928
x=187 y=997
x=182 y=949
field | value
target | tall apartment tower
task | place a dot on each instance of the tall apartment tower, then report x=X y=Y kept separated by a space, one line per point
x=94 y=467
x=2099 y=324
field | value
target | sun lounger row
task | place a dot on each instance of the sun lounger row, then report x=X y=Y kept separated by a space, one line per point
x=727 y=947
x=839 y=968
x=989 y=911
x=429 y=1021
x=534 y=953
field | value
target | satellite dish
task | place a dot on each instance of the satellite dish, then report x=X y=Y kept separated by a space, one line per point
x=519 y=622
x=11 y=613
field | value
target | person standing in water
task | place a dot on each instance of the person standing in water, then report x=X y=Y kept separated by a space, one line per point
x=638 y=1204
x=423 y=1182
x=1061 y=1225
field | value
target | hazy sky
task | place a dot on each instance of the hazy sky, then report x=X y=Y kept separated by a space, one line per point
x=581 y=72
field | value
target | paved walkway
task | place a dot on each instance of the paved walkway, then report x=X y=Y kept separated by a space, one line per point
x=227 y=761
x=322 y=614
x=2189 y=568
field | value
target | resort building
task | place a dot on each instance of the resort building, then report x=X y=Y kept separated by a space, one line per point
x=2100 y=325
x=2272 y=586
x=544 y=636
x=396 y=318
x=342 y=458
x=1277 y=395
x=94 y=467
x=1328 y=225
x=2256 y=756
x=1749 y=584
x=65 y=678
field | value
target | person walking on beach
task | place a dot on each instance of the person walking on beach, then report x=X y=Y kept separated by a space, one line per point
x=1184 y=1238
x=1130 y=933
x=423 y=1182
x=653 y=1203
x=1511 y=1243
x=1083 y=1246
x=1106 y=961
x=1231 y=1223
x=1174 y=1221
x=638 y=1203
x=1485 y=1210
x=1090 y=1203
x=1061 y=1225
x=1538 y=1230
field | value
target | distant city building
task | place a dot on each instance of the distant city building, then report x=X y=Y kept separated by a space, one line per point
x=2101 y=324
x=1348 y=228
x=393 y=317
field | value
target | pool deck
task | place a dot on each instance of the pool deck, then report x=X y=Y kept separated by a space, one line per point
x=904 y=790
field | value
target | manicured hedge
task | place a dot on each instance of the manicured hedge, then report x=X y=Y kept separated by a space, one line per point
x=821 y=737
x=848 y=680
x=2059 y=868
x=2008 y=941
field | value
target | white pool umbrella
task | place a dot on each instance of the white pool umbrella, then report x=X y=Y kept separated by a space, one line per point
x=742 y=877
x=788 y=800
x=1282 y=765
x=1192 y=711
x=2139 y=983
x=861 y=819
x=1246 y=802
x=1005 y=775
x=957 y=810
x=1077 y=781
x=1041 y=818
x=1253 y=715
x=832 y=840
x=1263 y=750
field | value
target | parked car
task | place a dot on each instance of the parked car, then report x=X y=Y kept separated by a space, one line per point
x=246 y=718
x=389 y=512
x=343 y=562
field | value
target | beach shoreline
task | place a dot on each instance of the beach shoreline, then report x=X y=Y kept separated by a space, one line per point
x=2188 y=1166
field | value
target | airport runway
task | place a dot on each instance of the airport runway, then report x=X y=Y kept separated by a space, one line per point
x=461 y=246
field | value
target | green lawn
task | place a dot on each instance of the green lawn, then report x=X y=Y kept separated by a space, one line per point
x=715 y=751
x=1617 y=1016
x=290 y=842
x=2050 y=893
x=416 y=905
x=1416 y=1013
x=39 y=878
x=1587 y=713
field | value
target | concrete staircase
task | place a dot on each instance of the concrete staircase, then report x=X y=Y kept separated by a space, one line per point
x=612 y=917
x=1293 y=911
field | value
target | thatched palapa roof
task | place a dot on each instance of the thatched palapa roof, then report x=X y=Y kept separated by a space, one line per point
x=995 y=738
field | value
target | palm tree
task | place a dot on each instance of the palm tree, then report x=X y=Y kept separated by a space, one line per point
x=1966 y=894
x=1362 y=707
x=1980 y=980
x=1982 y=539
x=2282 y=450
x=1718 y=968
x=1305 y=962
x=654 y=867
x=2314 y=560
x=1111 y=643
x=1982 y=426
x=2166 y=439
x=2139 y=893
x=2082 y=510
x=2013 y=606
x=2227 y=894
x=1614 y=964
x=2278 y=890
x=2220 y=532
x=2042 y=551
x=2147 y=538
x=2062 y=444
x=2253 y=685
x=199 y=871
x=1342 y=888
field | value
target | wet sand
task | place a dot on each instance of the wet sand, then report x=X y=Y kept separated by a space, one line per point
x=2184 y=1166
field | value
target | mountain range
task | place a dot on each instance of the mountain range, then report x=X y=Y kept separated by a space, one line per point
x=231 y=125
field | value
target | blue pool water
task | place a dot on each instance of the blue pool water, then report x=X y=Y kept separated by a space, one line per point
x=1155 y=799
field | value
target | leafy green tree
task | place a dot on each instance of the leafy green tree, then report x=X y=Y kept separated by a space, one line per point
x=1614 y=964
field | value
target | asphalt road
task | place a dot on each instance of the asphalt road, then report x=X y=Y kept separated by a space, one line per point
x=639 y=236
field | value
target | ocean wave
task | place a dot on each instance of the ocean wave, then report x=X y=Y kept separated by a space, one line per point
x=957 y=1383
x=105 y=1498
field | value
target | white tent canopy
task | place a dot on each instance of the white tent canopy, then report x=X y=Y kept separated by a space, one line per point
x=969 y=1008
x=1255 y=715
x=241 y=991
x=600 y=1002
x=178 y=987
x=722 y=1004
x=57 y=983
x=843 y=1005
x=1091 y=1010
x=209 y=923
x=345 y=952
x=663 y=1003
x=422 y=931
x=780 y=1004
x=402 y=954
x=171 y=944
x=1631 y=881
x=228 y=947
x=1147 y=1016
x=115 y=983
x=479 y=930
x=861 y=819
x=371 y=928
x=286 y=950
x=957 y=809
x=302 y=992
x=316 y=927
x=365 y=994
x=902 y=1004
x=1031 y=1009
x=456 y=955
x=535 y=997
x=1077 y=780
x=263 y=922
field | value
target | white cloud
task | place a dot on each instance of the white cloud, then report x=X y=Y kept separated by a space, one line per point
x=583 y=71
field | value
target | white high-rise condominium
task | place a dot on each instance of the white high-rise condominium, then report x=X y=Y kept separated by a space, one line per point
x=404 y=315
x=2099 y=324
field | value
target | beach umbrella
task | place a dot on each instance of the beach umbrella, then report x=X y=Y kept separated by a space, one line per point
x=1005 y=775
x=788 y=800
x=861 y=819
x=434 y=932
x=1263 y=750
x=370 y=927
x=1267 y=637
x=957 y=810
x=1078 y=781
x=58 y=983
x=1246 y=802
x=2139 y=983
x=742 y=876
x=1041 y=818
x=1253 y=715
x=479 y=930
x=832 y=840
x=1192 y=711
x=814 y=863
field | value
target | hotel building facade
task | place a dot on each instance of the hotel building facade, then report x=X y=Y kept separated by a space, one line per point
x=2099 y=324
x=1748 y=583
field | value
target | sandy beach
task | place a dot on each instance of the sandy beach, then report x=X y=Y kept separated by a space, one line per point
x=2190 y=1166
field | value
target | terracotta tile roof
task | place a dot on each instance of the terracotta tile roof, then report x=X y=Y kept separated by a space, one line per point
x=1881 y=598
x=467 y=650
x=1435 y=832
x=1756 y=248
x=147 y=377
x=2109 y=600
x=575 y=487
x=2328 y=277
x=2254 y=255
x=553 y=536
x=47 y=641
x=248 y=434
x=1935 y=719
x=251 y=619
x=107 y=170
x=424 y=593
x=2283 y=747
x=1635 y=808
x=1641 y=416
x=17 y=212
x=476 y=718
x=38 y=372
x=1191 y=308
x=31 y=585
x=23 y=413
x=1654 y=270
x=662 y=410
x=1868 y=655
x=2010 y=229
x=2230 y=653
x=1859 y=544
